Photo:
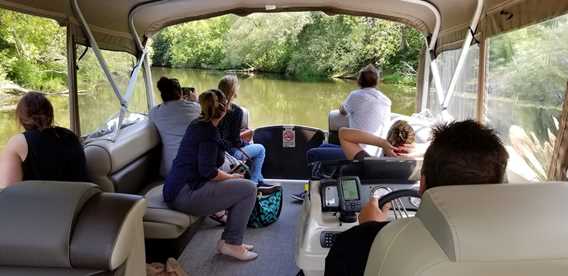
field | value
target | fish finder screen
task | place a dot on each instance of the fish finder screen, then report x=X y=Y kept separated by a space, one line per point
x=350 y=191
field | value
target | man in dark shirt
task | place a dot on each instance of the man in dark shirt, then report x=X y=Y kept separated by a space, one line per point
x=461 y=153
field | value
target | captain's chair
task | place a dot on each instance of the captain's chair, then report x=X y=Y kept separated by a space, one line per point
x=65 y=228
x=492 y=230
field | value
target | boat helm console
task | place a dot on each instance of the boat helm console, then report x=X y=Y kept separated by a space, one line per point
x=332 y=204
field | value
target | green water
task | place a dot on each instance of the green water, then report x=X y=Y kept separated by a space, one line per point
x=270 y=99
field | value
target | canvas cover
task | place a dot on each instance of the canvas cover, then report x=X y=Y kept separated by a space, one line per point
x=110 y=24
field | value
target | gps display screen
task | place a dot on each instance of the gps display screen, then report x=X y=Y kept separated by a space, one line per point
x=350 y=191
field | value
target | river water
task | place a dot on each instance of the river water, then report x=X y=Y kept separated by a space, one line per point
x=270 y=99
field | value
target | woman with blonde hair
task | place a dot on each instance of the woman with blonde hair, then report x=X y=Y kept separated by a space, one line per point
x=198 y=187
x=238 y=141
x=43 y=151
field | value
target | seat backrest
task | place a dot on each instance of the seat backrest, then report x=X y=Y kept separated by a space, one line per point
x=286 y=159
x=70 y=228
x=336 y=121
x=493 y=230
x=130 y=163
x=246 y=119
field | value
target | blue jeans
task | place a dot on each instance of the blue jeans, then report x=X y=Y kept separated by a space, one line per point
x=256 y=152
x=325 y=152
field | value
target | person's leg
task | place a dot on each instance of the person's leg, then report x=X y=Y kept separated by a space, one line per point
x=257 y=154
x=324 y=153
x=238 y=196
x=240 y=212
x=326 y=145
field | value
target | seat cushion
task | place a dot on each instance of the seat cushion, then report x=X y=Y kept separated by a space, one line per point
x=161 y=222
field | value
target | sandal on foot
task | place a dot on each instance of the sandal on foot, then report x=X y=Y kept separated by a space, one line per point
x=220 y=217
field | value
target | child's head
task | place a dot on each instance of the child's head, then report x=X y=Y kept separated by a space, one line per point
x=401 y=133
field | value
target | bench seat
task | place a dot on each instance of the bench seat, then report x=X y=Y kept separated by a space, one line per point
x=161 y=222
x=131 y=165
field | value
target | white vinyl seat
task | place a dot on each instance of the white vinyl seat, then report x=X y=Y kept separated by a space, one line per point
x=130 y=165
x=161 y=222
x=70 y=228
x=491 y=230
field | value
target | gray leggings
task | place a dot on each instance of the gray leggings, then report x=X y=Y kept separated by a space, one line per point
x=238 y=196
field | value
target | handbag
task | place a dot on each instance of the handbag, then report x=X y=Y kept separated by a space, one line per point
x=267 y=207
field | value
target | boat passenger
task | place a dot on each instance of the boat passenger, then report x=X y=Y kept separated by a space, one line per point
x=196 y=185
x=400 y=140
x=189 y=94
x=171 y=118
x=367 y=109
x=43 y=151
x=461 y=153
x=239 y=140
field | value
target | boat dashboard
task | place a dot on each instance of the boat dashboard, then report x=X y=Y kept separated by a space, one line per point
x=320 y=219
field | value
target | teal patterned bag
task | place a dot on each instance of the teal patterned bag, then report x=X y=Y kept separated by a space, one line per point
x=267 y=207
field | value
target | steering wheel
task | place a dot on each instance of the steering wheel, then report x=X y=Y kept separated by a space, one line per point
x=396 y=202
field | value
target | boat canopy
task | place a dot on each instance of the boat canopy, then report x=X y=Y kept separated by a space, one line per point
x=113 y=23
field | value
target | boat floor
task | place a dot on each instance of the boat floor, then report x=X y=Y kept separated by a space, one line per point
x=275 y=245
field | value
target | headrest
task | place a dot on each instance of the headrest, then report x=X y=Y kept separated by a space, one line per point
x=104 y=234
x=37 y=221
x=500 y=222
x=246 y=118
x=336 y=120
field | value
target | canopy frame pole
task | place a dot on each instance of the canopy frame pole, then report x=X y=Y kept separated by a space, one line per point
x=558 y=167
x=74 y=118
x=432 y=50
x=481 y=111
x=150 y=101
x=465 y=51
x=425 y=82
x=98 y=55
x=102 y=62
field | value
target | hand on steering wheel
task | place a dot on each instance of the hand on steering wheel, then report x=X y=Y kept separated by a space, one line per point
x=394 y=198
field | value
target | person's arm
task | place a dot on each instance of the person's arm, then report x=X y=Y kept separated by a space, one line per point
x=348 y=255
x=372 y=213
x=231 y=128
x=342 y=110
x=207 y=163
x=11 y=159
x=350 y=139
x=345 y=106
x=221 y=175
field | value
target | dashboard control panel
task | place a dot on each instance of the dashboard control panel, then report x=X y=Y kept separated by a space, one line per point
x=327 y=238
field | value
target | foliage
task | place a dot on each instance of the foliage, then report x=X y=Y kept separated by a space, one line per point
x=528 y=62
x=308 y=44
x=35 y=58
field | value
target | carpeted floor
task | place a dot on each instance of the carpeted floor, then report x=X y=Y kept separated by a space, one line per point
x=275 y=245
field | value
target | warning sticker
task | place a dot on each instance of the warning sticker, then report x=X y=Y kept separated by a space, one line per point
x=288 y=137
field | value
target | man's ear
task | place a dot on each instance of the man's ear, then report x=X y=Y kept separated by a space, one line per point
x=422 y=184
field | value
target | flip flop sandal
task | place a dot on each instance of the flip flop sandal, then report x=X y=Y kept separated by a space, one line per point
x=222 y=219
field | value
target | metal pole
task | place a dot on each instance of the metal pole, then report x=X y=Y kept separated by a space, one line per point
x=432 y=46
x=98 y=54
x=482 y=82
x=149 y=84
x=425 y=82
x=463 y=55
x=74 y=120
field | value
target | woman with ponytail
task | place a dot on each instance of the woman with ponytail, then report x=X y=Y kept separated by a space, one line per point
x=43 y=151
x=196 y=185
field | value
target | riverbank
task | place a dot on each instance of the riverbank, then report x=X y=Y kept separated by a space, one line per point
x=9 y=95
